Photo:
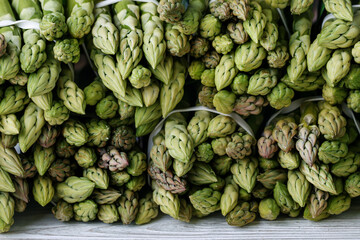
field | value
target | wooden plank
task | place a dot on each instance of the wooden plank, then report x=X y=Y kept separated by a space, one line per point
x=40 y=224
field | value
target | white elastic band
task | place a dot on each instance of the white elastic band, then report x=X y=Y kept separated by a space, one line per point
x=330 y=16
x=23 y=24
x=89 y=59
x=283 y=19
x=159 y=126
x=17 y=148
x=110 y=2
x=145 y=1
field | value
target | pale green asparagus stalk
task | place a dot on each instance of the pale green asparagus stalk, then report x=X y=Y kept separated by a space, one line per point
x=225 y=72
x=171 y=94
x=109 y=72
x=177 y=43
x=9 y=62
x=169 y=203
x=10 y=161
x=341 y=9
x=178 y=141
x=307 y=82
x=298 y=7
x=299 y=46
x=68 y=91
x=33 y=52
x=255 y=22
x=339 y=34
x=230 y=197
x=245 y=173
x=9 y=124
x=132 y=97
x=337 y=67
x=14 y=100
x=80 y=17
x=44 y=79
x=31 y=124
x=67 y=50
x=319 y=176
x=317 y=56
x=171 y=11
x=131 y=36
x=53 y=24
x=164 y=70
x=190 y=22
x=43 y=101
x=105 y=33
x=278 y=3
x=154 y=46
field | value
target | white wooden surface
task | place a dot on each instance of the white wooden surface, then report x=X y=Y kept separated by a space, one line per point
x=40 y=224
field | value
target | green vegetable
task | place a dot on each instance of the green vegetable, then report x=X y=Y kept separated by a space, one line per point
x=80 y=17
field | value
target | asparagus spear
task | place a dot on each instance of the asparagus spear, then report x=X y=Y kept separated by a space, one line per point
x=53 y=25
x=9 y=62
x=131 y=36
x=299 y=46
x=33 y=52
x=171 y=11
x=154 y=44
x=108 y=72
x=105 y=34
x=80 y=17
x=44 y=79
x=189 y=24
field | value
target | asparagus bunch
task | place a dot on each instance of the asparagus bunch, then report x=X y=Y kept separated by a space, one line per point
x=307 y=160
x=236 y=78
x=203 y=166
x=331 y=64
x=233 y=73
x=111 y=174
x=150 y=89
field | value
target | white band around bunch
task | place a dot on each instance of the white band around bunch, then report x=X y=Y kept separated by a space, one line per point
x=23 y=24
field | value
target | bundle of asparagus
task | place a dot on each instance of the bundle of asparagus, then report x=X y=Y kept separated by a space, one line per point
x=336 y=59
x=202 y=166
x=237 y=78
x=309 y=161
x=151 y=86
x=238 y=55
x=99 y=174
x=23 y=121
x=51 y=19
